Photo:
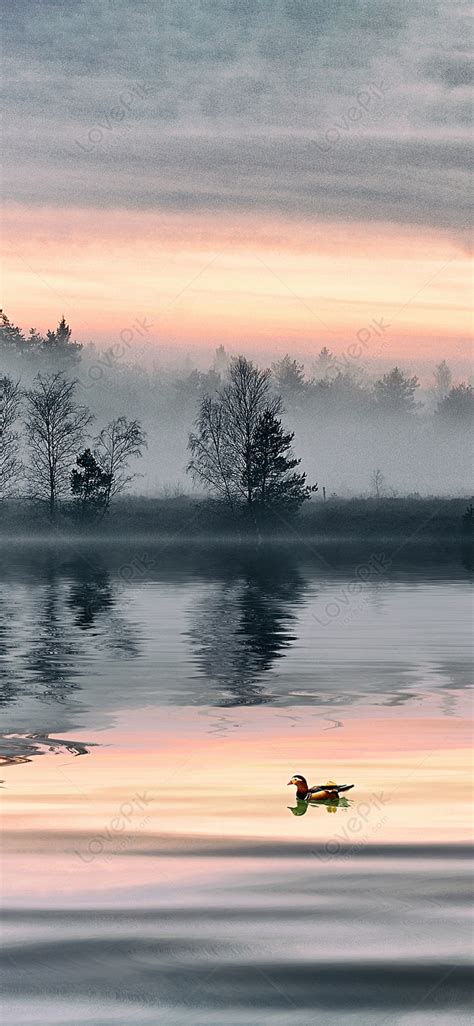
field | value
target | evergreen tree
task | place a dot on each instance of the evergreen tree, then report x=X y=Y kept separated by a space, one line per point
x=89 y=486
x=12 y=339
x=395 y=393
x=274 y=483
x=58 y=343
x=325 y=366
x=289 y=378
x=458 y=405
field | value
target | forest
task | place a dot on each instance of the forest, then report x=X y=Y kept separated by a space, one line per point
x=90 y=435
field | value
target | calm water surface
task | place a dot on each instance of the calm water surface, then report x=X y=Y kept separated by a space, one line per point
x=156 y=868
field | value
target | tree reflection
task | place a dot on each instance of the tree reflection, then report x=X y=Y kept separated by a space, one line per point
x=244 y=623
x=52 y=657
x=90 y=594
x=69 y=612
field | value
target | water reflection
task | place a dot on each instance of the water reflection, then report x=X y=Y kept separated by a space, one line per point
x=53 y=622
x=242 y=625
x=50 y=630
x=22 y=747
x=331 y=805
x=52 y=654
x=90 y=594
x=217 y=628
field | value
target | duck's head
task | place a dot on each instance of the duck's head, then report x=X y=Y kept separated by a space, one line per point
x=299 y=782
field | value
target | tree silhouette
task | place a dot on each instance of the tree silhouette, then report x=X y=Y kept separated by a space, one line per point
x=55 y=426
x=58 y=343
x=340 y=393
x=11 y=338
x=118 y=443
x=274 y=486
x=325 y=366
x=211 y=462
x=220 y=362
x=11 y=465
x=89 y=486
x=377 y=481
x=443 y=380
x=289 y=379
x=395 y=393
x=457 y=405
x=239 y=450
x=222 y=446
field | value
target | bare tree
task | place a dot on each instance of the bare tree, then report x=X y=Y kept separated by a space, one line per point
x=11 y=465
x=245 y=398
x=223 y=445
x=211 y=452
x=118 y=443
x=56 y=426
x=377 y=481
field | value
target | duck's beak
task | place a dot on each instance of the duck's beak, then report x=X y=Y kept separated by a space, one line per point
x=289 y=782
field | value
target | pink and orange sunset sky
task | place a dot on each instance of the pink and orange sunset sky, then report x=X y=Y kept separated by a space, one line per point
x=271 y=176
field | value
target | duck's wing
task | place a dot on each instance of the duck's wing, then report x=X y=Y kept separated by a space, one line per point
x=330 y=787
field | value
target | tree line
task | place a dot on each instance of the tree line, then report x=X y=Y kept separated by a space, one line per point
x=239 y=451
x=43 y=431
x=331 y=385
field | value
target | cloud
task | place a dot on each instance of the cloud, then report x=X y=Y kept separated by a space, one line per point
x=453 y=72
x=229 y=107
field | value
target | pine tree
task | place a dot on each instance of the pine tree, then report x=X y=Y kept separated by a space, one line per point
x=58 y=343
x=274 y=483
x=289 y=378
x=457 y=406
x=89 y=486
x=394 y=393
x=11 y=338
x=325 y=366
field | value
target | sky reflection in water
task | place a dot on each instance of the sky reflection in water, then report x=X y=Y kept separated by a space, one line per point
x=152 y=717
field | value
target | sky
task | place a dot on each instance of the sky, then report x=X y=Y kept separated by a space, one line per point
x=273 y=175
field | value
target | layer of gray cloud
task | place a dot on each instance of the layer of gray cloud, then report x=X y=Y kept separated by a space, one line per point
x=241 y=107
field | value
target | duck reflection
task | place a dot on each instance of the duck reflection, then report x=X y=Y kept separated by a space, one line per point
x=331 y=805
x=243 y=625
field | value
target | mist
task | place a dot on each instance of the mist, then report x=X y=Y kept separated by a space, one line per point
x=348 y=444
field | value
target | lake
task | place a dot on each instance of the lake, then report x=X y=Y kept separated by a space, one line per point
x=157 y=869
